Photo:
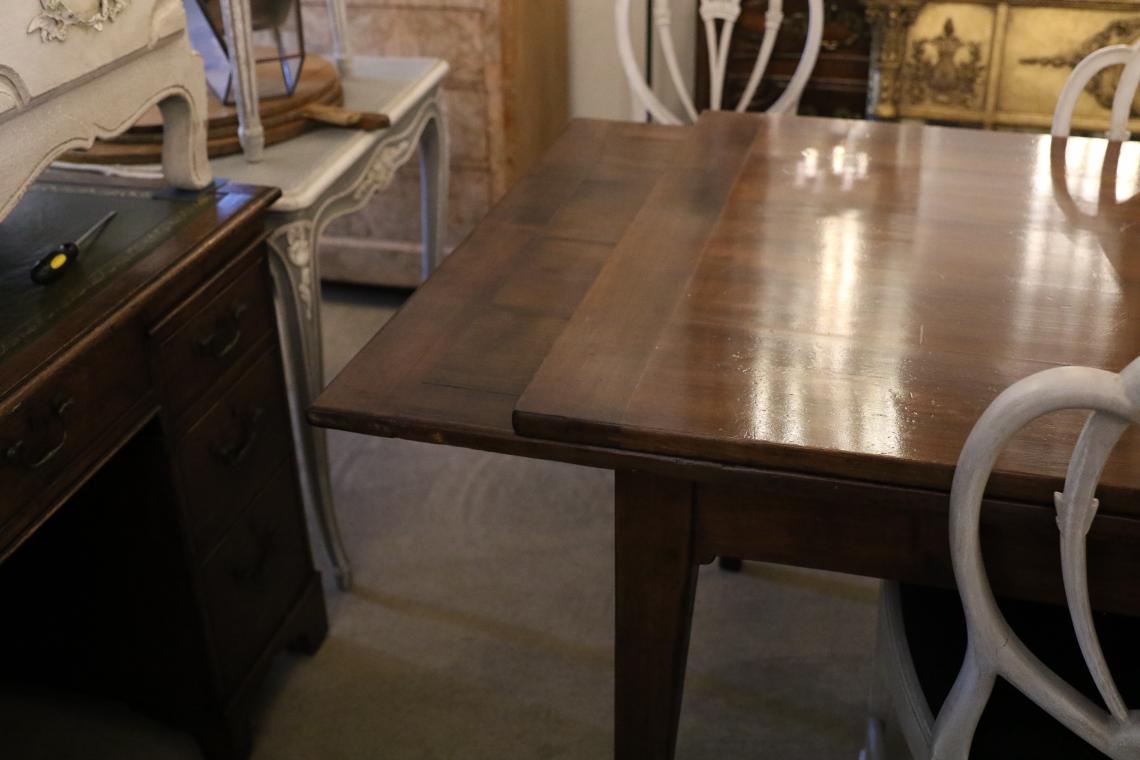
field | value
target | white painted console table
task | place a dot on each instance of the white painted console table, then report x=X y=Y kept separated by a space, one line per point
x=325 y=174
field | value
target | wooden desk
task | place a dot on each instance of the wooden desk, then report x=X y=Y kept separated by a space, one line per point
x=778 y=332
x=153 y=542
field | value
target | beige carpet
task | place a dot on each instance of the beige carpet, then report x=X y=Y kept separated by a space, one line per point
x=481 y=626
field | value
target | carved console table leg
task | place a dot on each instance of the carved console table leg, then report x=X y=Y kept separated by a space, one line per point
x=297 y=298
x=296 y=273
x=434 y=185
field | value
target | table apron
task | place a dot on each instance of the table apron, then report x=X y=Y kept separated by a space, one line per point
x=903 y=534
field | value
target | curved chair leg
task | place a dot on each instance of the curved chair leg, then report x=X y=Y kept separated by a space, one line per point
x=434 y=180
x=297 y=297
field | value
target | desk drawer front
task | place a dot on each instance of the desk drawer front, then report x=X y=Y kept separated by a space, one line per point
x=228 y=455
x=43 y=429
x=256 y=574
x=212 y=332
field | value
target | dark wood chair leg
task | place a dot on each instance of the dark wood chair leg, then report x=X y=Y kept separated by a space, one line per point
x=656 y=581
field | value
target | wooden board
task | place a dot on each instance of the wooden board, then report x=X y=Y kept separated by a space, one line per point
x=852 y=306
x=281 y=119
x=450 y=365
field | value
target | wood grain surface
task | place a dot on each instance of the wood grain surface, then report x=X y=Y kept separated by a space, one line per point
x=851 y=305
x=450 y=367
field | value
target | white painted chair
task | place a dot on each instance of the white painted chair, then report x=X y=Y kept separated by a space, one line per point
x=1127 y=56
x=994 y=649
x=714 y=14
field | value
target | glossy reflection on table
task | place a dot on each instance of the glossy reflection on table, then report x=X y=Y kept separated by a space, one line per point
x=862 y=293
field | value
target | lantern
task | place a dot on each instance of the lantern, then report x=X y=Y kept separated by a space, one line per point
x=278 y=45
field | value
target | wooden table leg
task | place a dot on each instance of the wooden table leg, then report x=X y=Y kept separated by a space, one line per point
x=656 y=577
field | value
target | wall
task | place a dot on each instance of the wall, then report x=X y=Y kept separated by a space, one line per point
x=597 y=84
x=506 y=99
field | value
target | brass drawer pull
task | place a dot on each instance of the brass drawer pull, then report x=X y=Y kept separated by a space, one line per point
x=226 y=338
x=235 y=451
x=17 y=453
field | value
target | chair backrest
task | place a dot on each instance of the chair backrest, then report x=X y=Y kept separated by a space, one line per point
x=719 y=19
x=994 y=649
x=1094 y=63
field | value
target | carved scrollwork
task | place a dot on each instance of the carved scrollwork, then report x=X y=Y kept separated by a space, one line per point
x=13 y=92
x=1102 y=86
x=892 y=20
x=295 y=242
x=945 y=70
x=383 y=168
x=55 y=18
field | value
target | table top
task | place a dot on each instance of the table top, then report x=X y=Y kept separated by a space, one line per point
x=306 y=166
x=844 y=299
x=449 y=366
x=829 y=297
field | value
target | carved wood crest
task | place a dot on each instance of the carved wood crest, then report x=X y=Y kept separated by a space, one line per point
x=56 y=18
x=945 y=70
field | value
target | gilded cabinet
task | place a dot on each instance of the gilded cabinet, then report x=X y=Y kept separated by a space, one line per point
x=993 y=63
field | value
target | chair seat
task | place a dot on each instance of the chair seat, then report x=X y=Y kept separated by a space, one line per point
x=307 y=166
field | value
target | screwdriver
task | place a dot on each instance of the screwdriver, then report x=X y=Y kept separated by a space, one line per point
x=56 y=262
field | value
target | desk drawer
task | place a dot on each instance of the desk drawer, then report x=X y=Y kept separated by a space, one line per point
x=44 y=428
x=256 y=575
x=216 y=327
x=229 y=454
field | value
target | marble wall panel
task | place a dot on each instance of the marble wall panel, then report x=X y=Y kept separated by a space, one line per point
x=457 y=31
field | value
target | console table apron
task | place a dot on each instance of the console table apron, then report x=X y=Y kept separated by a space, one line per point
x=324 y=175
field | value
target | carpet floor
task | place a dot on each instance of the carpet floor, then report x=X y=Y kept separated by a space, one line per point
x=481 y=626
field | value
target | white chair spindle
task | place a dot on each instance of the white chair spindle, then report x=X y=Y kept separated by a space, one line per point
x=663 y=22
x=719 y=18
x=772 y=21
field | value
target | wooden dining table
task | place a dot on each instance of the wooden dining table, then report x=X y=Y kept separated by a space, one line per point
x=778 y=331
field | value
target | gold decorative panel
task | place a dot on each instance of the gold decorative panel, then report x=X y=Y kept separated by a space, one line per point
x=993 y=63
